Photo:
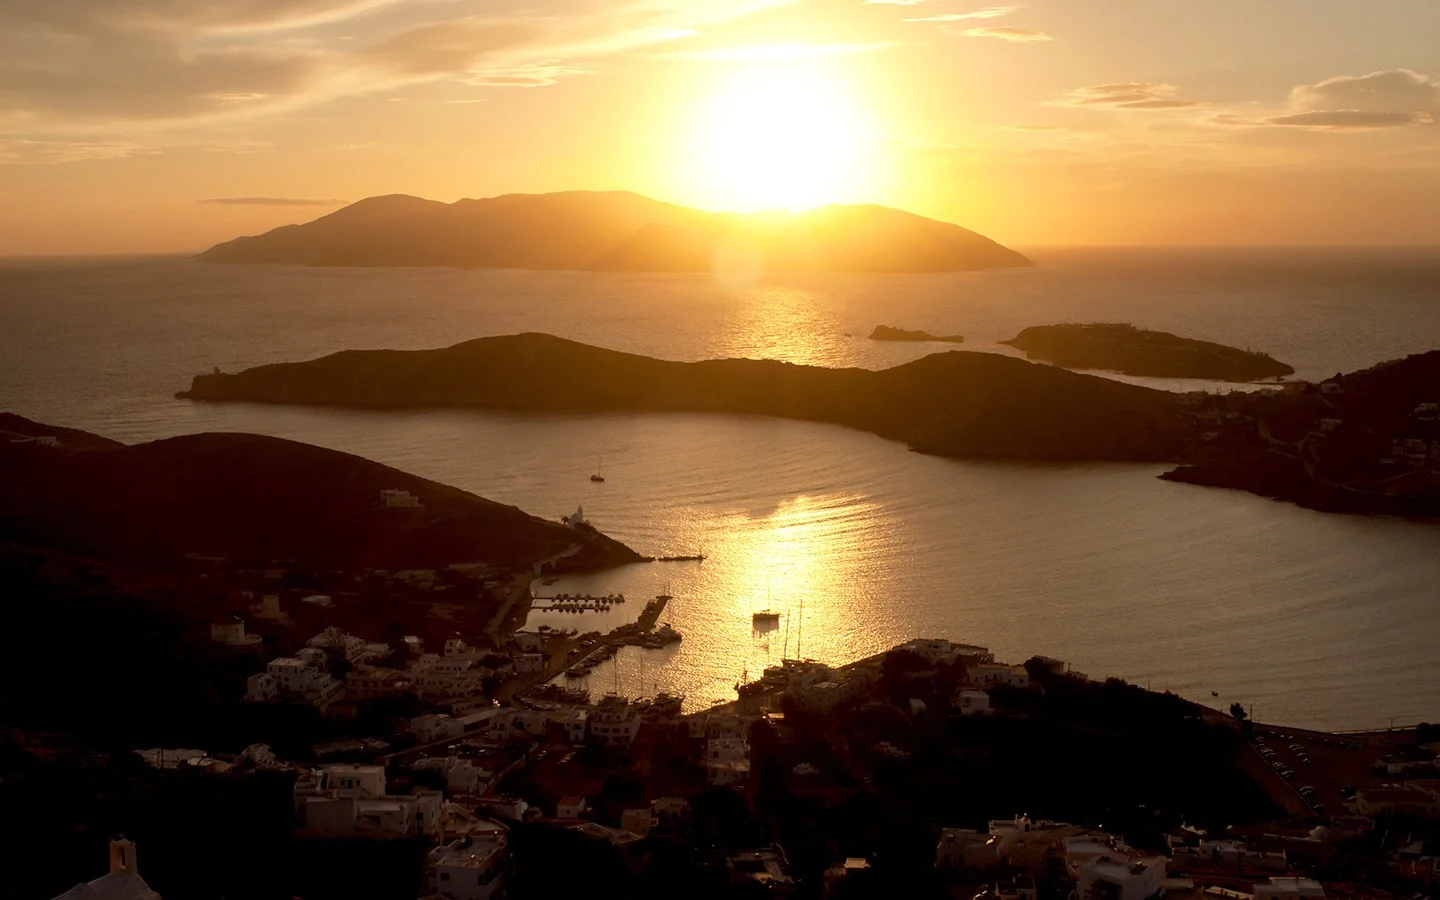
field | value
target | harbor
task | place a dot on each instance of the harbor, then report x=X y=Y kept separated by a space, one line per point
x=640 y=633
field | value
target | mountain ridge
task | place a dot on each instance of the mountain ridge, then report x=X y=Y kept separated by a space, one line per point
x=617 y=231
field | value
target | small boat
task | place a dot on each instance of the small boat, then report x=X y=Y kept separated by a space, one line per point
x=599 y=470
x=765 y=617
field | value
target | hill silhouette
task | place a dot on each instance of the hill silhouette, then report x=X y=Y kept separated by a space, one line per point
x=1137 y=351
x=957 y=404
x=255 y=498
x=616 y=231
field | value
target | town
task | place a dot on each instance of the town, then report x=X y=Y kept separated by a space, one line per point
x=469 y=767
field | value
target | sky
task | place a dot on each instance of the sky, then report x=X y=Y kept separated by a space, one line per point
x=167 y=125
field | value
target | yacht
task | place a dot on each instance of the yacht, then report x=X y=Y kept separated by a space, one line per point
x=765 y=617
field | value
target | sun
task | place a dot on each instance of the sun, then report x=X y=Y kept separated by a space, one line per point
x=780 y=134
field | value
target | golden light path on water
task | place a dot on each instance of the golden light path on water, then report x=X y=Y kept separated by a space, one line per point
x=792 y=560
x=1318 y=620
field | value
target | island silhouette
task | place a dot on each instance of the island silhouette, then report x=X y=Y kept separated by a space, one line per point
x=1366 y=442
x=617 y=231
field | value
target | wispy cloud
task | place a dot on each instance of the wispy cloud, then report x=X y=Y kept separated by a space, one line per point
x=89 y=68
x=271 y=201
x=1395 y=98
x=1351 y=119
x=1009 y=33
x=1132 y=95
x=991 y=12
x=779 y=51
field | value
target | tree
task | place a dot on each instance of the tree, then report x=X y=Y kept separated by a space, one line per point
x=1238 y=711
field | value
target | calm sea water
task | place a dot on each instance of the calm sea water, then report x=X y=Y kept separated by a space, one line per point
x=1314 y=619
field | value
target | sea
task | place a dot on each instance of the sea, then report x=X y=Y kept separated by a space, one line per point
x=1306 y=618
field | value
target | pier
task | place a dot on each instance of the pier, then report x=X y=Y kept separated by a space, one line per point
x=576 y=603
x=640 y=633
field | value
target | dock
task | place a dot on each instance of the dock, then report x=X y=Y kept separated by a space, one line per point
x=652 y=612
x=576 y=603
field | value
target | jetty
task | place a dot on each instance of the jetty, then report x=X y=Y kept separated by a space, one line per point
x=576 y=602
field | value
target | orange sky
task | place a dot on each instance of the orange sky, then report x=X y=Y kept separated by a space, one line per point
x=1056 y=122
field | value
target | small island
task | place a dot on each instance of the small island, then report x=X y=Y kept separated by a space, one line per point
x=1136 y=351
x=891 y=333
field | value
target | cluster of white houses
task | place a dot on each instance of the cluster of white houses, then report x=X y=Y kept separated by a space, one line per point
x=1103 y=867
x=455 y=674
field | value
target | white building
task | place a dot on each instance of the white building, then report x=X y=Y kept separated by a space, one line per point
x=232 y=634
x=1115 y=877
x=304 y=675
x=399 y=499
x=437 y=727
x=613 y=722
x=262 y=687
x=371 y=683
x=937 y=651
x=972 y=703
x=992 y=674
x=727 y=761
x=638 y=821
x=462 y=776
x=1290 y=889
x=577 y=519
x=576 y=722
x=471 y=869
x=269 y=609
x=440 y=676
x=354 y=649
x=122 y=882
x=349 y=801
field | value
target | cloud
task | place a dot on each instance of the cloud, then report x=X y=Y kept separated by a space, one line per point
x=779 y=51
x=1009 y=33
x=991 y=12
x=1396 y=98
x=1351 y=120
x=89 y=68
x=1131 y=95
x=26 y=150
x=1396 y=90
x=271 y=201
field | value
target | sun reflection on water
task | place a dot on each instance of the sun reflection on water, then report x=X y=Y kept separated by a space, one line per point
x=792 y=559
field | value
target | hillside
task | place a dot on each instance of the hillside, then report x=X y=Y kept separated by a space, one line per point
x=615 y=231
x=1367 y=442
x=957 y=404
x=1136 y=351
x=254 y=498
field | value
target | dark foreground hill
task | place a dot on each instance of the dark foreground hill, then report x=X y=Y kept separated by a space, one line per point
x=253 y=498
x=1136 y=351
x=960 y=404
x=617 y=231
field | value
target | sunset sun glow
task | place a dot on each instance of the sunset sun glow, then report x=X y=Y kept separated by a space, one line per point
x=781 y=135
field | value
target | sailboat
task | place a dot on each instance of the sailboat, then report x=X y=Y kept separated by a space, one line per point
x=599 y=469
x=766 y=619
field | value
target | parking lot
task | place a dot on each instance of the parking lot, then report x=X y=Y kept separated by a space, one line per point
x=1318 y=772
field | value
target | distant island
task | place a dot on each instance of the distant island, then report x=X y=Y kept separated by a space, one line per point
x=891 y=333
x=1367 y=442
x=250 y=497
x=619 y=232
x=1136 y=351
x=980 y=405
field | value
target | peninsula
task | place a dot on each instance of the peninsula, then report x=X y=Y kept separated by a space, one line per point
x=1136 y=351
x=250 y=497
x=962 y=404
x=616 y=231
x=891 y=333
x=1367 y=442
